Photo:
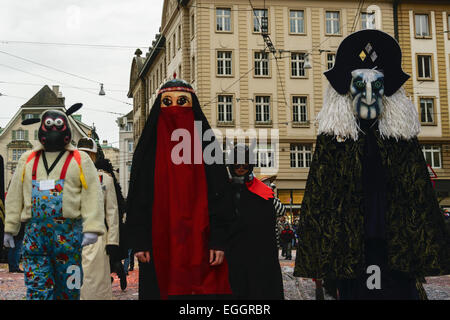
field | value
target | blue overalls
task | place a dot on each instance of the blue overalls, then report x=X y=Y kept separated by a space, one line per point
x=52 y=244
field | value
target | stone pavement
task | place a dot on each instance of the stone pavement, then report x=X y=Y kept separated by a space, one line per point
x=437 y=288
x=12 y=285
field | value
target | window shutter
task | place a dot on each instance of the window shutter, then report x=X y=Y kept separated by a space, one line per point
x=26 y=135
x=23 y=116
x=35 y=135
x=14 y=135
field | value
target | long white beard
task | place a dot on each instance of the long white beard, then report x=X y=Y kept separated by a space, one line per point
x=398 y=120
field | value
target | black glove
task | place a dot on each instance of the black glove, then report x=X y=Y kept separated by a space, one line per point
x=113 y=251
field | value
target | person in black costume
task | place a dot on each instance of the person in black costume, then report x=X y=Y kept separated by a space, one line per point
x=252 y=252
x=183 y=258
x=370 y=220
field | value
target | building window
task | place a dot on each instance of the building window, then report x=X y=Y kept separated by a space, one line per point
x=427 y=110
x=297 y=21
x=265 y=156
x=262 y=109
x=224 y=60
x=192 y=26
x=448 y=26
x=30 y=116
x=168 y=50
x=130 y=146
x=301 y=155
x=174 y=45
x=261 y=64
x=331 y=58
x=424 y=67
x=20 y=135
x=422 y=25
x=299 y=109
x=225 y=108
x=223 y=19
x=367 y=20
x=260 y=20
x=193 y=70
x=297 y=65
x=179 y=37
x=432 y=155
x=129 y=126
x=17 y=153
x=332 y=21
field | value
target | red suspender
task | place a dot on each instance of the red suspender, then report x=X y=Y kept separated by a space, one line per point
x=66 y=165
x=35 y=164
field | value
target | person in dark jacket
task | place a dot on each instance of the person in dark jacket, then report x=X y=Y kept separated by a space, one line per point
x=287 y=236
x=252 y=252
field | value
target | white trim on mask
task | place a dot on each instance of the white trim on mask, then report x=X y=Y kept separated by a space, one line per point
x=399 y=119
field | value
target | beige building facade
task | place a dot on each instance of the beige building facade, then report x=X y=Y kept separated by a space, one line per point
x=126 y=148
x=249 y=76
x=425 y=40
x=113 y=154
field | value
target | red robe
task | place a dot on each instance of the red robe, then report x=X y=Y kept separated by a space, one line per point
x=180 y=220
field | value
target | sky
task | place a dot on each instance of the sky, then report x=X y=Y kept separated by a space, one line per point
x=96 y=23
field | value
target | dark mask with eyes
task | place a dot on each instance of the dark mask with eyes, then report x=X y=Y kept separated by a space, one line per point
x=54 y=131
x=367 y=90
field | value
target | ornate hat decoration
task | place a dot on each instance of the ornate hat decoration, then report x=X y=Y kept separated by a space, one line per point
x=176 y=85
x=368 y=49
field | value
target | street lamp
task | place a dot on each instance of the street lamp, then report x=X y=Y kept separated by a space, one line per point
x=102 y=92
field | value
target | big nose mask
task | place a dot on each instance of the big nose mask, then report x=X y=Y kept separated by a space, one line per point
x=367 y=90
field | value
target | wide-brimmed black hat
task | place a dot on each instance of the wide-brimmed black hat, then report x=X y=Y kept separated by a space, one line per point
x=368 y=49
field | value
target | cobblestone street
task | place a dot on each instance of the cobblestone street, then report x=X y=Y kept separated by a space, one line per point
x=12 y=285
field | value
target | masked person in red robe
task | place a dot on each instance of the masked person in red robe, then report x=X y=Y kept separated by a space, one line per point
x=178 y=212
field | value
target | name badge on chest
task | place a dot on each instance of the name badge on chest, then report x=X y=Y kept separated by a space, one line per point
x=46 y=185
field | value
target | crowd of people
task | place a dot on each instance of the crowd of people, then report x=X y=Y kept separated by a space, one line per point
x=204 y=229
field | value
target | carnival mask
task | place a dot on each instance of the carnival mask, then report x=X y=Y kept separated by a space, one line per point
x=54 y=131
x=367 y=90
x=176 y=98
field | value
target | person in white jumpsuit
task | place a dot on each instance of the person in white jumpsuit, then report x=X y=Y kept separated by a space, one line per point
x=95 y=260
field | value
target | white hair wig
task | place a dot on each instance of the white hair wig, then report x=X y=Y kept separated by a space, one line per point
x=399 y=119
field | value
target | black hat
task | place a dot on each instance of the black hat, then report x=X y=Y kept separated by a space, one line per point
x=241 y=154
x=368 y=49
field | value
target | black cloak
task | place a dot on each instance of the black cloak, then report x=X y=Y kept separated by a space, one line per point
x=332 y=219
x=140 y=198
x=252 y=253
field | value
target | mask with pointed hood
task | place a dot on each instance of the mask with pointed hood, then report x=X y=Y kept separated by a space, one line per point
x=365 y=83
x=54 y=131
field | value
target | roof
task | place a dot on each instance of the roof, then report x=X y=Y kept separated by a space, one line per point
x=129 y=115
x=45 y=98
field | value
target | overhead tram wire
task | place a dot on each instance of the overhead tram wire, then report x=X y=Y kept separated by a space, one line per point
x=62 y=83
x=43 y=84
x=100 y=46
x=49 y=67
x=91 y=109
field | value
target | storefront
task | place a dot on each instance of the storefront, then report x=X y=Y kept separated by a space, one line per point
x=292 y=200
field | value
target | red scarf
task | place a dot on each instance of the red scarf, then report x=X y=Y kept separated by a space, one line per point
x=260 y=188
x=180 y=222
